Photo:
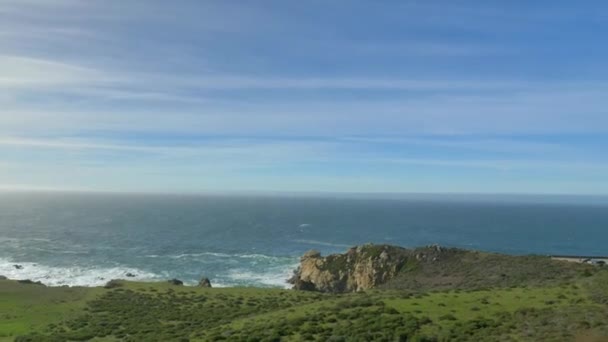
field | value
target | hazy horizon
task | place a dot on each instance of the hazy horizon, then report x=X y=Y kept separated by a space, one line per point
x=539 y=198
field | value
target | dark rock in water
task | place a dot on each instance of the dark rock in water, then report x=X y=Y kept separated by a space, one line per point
x=130 y=275
x=205 y=282
x=30 y=282
x=112 y=284
x=19 y=267
x=3 y=277
x=176 y=282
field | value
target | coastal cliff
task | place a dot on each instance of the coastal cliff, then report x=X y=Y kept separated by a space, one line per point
x=425 y=268
x=360 y=268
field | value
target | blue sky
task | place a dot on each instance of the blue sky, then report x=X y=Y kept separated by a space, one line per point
x=337 y=96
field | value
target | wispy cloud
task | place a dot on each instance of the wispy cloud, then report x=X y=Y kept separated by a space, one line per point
x=550 y=111
x=130 y=94
x=25 y=73
x=238 y=150
x=21 y=72
x=500 y=164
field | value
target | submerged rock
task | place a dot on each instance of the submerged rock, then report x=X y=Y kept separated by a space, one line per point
x=131 y=275
x=205 y=282
x=18 y=267
x=175 y=282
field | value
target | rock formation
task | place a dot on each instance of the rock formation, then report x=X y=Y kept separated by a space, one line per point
x=360 y=268
x=175 y=282
x=30 y=282
x=205 y=282
x=114 y=283
x=426 y=268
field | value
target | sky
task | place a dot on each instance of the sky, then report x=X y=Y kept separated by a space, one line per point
x=304 y=96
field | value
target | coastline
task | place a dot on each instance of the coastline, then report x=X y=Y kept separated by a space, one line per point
x=581 y=259
x=437 y=293
x=99 y=278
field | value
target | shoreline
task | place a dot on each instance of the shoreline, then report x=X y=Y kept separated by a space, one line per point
x=132 y=278
x=582 y=259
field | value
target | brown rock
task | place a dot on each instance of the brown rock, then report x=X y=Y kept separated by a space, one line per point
x=175 y=282
x=311 y=254
x=205 y=282
x=361 y=268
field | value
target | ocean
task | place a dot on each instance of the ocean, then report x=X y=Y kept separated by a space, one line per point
x=256 y=240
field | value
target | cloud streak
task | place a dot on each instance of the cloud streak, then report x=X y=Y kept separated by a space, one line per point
x=203 y=94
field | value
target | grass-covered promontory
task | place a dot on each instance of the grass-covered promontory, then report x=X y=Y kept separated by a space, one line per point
x=572 y=306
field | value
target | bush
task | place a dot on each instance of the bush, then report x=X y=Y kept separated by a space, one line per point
x=114 y=283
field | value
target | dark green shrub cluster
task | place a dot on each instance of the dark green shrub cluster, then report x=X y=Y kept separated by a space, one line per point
x=356 y=319
x=163 y=316
x=470 y=270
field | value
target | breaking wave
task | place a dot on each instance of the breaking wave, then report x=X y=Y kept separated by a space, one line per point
x=72 y=276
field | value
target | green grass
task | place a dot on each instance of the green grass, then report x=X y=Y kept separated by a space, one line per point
x=27 y=308
x=447 y=309
x=163 y=312
x=468 y=305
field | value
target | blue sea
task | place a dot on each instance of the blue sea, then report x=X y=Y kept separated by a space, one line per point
x=256 y=240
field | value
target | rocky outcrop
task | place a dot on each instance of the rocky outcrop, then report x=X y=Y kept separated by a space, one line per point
x=360 y=268
x=114 y=283
x=30 y=282
x=176 y=282
x=205 y=282
x=428 y=268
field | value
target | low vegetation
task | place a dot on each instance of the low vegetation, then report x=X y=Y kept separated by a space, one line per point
x=574 y=310
x=462 y=269
x=446 y=296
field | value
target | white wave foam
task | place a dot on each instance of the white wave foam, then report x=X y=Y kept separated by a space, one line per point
x=195 y=255
x=40 y=239
x=57 y=251
x=270 y=277
x=258 y=256
x=219 y=255
x=10 y=239
x=72 y=276
x=322 y=243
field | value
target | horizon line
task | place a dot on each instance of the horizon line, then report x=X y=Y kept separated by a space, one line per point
x=271 y=193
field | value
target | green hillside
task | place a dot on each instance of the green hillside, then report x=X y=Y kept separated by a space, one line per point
x=424 y=294
x=162 y=312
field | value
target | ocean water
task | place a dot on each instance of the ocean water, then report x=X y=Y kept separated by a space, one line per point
x=87 y=239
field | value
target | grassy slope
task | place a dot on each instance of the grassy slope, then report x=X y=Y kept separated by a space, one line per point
x=161 y=312
x=464 y=269
x=26 y=308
